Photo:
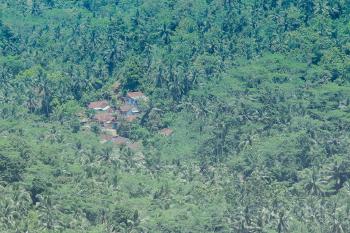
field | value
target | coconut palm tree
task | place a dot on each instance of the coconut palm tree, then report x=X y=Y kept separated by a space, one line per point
x=338 y=174
x=282 y=225
x=48 y=213
x=313 y=184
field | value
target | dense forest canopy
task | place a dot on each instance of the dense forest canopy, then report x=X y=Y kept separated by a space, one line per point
x=245 y=125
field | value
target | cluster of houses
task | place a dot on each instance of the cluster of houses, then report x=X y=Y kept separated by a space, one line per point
x=108 y=117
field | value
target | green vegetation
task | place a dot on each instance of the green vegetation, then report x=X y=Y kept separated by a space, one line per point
x=257 y=94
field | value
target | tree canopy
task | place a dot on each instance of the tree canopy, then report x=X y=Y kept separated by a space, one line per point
x=254 y=96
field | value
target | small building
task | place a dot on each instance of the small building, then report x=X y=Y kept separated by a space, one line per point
x=131 y=118
x=128 y=110
x=102 y=105
x=166 y=132
x=134 y=98
x=105 y=118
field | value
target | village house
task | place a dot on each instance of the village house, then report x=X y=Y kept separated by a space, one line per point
x=105 y=118
x=107 y=121
x=131 y=118
x=128 y=110
x=102 y=105
x=134 y=98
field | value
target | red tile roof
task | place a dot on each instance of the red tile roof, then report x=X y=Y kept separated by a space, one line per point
x=98 y=104
x=166 y=132
x=104 y=117
x=136 y=95
x=131 y=118
x=125 y=108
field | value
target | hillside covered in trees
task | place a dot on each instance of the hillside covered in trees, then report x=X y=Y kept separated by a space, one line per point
x=243 y=127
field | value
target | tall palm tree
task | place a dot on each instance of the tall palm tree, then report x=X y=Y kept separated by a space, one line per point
x=8 y=213
x=48 y=213
x=313 y=184
x=338 y=174
x=282 y=225
x=165 y=33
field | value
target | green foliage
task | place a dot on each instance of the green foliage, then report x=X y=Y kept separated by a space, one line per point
x=12 y=161
x=256 y=93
